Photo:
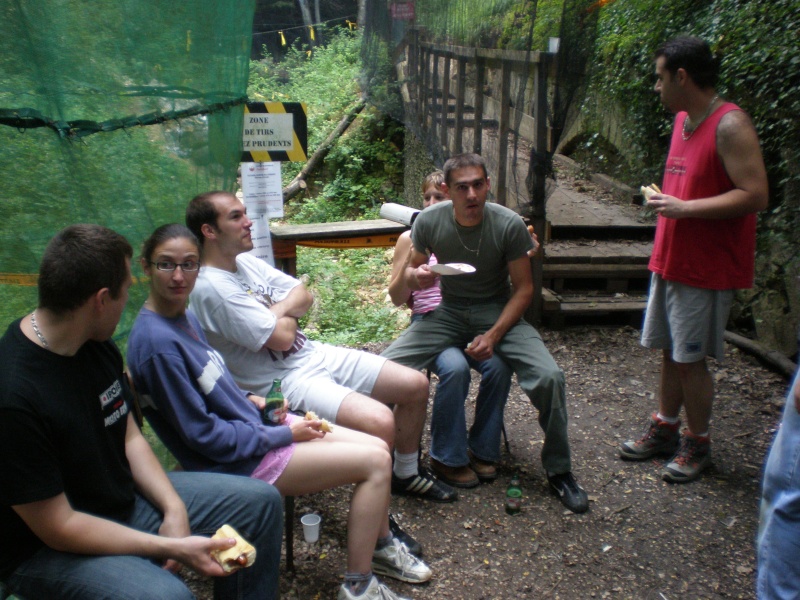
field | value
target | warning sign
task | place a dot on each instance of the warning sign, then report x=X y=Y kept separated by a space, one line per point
x=274 y=131
x=402 y=11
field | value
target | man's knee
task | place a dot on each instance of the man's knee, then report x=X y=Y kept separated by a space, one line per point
x=367 y=415
x=451 y=366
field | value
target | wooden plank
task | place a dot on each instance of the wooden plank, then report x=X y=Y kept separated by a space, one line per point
x=595 y=271
x=550 y=300
x=480 y=80
x=458 y=126
x=598 y=252
x=588 y=308
x=502 y=142
x=443 y=132
x=340 y=229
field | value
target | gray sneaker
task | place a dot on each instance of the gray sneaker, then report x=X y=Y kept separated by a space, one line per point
x=394 y=560
x=661 y=438
x=691 y=460
x=375 y=591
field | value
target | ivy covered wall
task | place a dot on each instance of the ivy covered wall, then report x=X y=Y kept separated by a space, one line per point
x=761 y=72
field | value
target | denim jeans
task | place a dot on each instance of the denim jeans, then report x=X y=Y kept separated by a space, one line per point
x=779 y=526
x=449 y=440
x=521 y=348
x=250 y=506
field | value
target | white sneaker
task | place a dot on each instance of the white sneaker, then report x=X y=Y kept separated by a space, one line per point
x=375 y=591
x=396 y=561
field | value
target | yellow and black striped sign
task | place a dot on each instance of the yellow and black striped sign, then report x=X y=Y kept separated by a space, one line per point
x=275 y=131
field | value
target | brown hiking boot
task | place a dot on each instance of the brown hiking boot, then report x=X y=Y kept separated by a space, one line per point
x=461 y=477
x=486 y=471
x=660 y=438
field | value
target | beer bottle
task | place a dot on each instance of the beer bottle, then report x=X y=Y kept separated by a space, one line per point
x=271 y=415
x=513 y=496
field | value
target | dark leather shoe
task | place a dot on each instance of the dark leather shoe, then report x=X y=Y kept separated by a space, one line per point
x=569 y=492
x=460 y=477
x=413 y=545
x=425 y=486
x=486 y=471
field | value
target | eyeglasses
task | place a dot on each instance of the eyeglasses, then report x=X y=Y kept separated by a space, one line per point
x=168 y=265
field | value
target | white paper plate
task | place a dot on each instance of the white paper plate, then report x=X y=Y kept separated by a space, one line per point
x=453 y=269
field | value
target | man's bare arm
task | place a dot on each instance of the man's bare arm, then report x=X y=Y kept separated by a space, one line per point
x=296 y=303
x=152 y=482
x=287 y=312
x=482 y=347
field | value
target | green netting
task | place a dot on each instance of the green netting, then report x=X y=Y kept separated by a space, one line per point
x=114 y=113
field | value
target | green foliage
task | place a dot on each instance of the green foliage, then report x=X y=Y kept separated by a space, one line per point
x=759 y=69
x=463 y=22
x=363 y=169
x=327 y=81
x=516 y=31
x=350 y=307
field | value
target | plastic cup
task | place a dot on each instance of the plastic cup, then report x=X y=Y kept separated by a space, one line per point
x=311 y=527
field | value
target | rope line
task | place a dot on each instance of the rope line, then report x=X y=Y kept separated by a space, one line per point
x=30 y=118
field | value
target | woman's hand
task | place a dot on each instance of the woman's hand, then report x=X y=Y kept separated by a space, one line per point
x=304 y=430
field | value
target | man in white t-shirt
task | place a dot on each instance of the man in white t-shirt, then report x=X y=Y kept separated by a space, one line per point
x=249 y=312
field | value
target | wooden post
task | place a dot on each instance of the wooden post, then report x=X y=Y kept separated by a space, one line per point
x=502 y=141
x=434 y=91
x=444 y=140
x=538 y=211
x=424 y=103
x=459 y=117
x=480 y=80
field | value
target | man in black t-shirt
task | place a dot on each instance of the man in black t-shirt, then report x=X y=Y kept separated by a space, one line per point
x=85 y=507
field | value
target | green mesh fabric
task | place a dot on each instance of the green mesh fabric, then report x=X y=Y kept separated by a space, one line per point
x=114 y=113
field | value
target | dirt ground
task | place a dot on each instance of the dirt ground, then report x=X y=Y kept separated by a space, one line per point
x=642 y=539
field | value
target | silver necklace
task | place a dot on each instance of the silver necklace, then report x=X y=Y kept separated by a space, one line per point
x=36 y=330
x=458 y=235
x=687 y=131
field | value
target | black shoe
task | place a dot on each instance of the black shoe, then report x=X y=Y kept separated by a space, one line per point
x=425 y=486
x=569 y=492
x=413 y=545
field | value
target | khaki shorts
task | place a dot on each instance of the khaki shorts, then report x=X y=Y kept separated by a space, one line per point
x=689 y=320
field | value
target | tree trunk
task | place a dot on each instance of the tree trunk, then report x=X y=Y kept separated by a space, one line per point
x=362 y=13
x=298 y=183
x=305 y=10
x=772 y=357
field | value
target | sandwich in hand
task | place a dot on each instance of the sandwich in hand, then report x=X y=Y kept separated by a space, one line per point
x=649 y=190
x=324 y=423
x=240 y=556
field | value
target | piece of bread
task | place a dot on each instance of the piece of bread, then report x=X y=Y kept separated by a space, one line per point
x=324 y=423
x=240 y=556
x=649 y=190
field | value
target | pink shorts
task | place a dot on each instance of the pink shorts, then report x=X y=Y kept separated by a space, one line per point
x=275 y=461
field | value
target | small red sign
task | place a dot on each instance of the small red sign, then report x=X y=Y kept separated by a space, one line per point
x=402 y=11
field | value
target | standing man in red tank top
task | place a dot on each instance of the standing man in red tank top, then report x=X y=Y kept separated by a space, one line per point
x=714 y=184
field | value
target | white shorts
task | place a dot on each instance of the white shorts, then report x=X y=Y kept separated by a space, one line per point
x=689 y=320
x=332 y=374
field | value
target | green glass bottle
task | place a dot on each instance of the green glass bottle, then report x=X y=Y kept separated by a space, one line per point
x=271 y=415
x=514 y=496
